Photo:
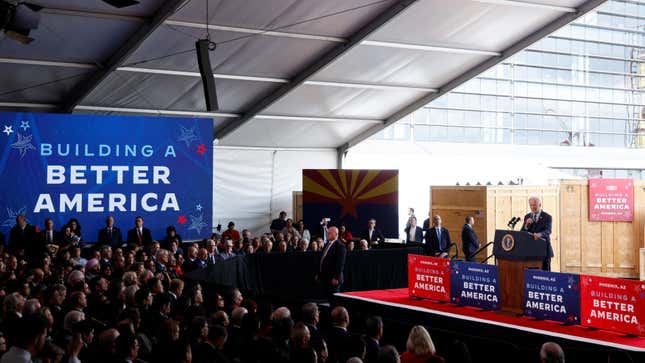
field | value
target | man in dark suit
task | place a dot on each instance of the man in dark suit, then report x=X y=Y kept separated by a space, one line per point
x=373 y=333
x=110 y=235
x=337 y=337
x=469 y=241
x=538 y=225
x=139 y=235
x=332 y=264
x=23 y=238
x=437 y=239
x=49 y=236
x=413 y=233
x=372 y=235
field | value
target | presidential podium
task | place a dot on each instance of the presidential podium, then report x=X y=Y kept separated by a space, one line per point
x=515 y=252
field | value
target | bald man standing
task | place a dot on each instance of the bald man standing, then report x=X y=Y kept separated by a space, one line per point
x=332 y=264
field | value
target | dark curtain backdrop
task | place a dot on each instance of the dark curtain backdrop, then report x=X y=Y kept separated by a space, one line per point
x=292 y=275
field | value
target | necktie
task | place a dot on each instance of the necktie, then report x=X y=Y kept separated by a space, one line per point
x=49 y=236
x=325 y=253
x=110 y=233
x=439 y=238
x=139 y=234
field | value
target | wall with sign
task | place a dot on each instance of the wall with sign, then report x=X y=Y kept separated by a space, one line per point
x=600 y=248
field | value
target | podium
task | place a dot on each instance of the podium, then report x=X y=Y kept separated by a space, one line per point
x=515 y=252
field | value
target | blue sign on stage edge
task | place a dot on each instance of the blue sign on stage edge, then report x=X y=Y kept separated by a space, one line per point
x=552 y=296
x=88 y=167
x=474 y=284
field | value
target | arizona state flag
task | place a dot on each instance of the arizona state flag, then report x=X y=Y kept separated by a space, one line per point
x=351 y=197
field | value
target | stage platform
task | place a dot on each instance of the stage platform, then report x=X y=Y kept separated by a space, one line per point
x=521 y=333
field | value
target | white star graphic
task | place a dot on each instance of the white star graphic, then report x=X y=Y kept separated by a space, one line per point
x=24 y=125
x=8 y=130
x=198 y=207
x=23 y=144
x=197 y=223
x=187 y=135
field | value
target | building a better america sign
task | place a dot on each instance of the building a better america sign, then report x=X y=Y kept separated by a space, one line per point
x=611 y=200
x=88 y=167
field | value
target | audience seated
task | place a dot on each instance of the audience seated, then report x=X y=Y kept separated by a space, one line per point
x=133 y=303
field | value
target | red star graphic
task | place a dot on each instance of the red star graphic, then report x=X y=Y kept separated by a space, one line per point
x=349 y=206
x=181 y=219
x=201 y=149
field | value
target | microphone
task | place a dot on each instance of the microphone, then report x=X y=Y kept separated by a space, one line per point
x=510 y=222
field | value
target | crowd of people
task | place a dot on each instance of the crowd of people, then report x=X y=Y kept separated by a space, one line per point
x=127 y=300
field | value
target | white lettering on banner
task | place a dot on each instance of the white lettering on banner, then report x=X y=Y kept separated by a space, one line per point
x=103 y=150
x=56 y=174
x=478 y=296
x=95 y=202
x=543 y=306
x=429 y=287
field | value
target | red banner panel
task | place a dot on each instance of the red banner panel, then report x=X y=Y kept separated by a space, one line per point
x=429 y=277
x=613 y=304
x=611 y=200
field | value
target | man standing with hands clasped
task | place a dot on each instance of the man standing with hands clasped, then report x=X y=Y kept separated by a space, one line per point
x=538 y=225
x=332 y=264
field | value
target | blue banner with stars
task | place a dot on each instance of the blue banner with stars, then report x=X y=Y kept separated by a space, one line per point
x=552 y=296
x=474 y=284
x=89 y=167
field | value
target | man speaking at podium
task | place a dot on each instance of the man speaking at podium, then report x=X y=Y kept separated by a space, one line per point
x=538 y=224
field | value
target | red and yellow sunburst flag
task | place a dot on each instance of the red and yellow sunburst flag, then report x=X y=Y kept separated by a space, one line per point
x=350 y=195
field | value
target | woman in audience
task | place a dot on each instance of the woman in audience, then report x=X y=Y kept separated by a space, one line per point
x=75 y=228
x=304 y=232
x=171 y=235
x=420 y=348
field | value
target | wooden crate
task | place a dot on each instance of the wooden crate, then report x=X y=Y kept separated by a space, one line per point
x=492 y=207
x=599 y=248
x=580 y=246
x=296 y=200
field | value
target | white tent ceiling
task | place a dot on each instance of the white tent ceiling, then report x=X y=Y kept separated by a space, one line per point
x=289 y=73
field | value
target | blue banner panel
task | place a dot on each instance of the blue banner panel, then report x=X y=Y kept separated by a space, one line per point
x=552 y=296
x=89 y=166
x=474 y=284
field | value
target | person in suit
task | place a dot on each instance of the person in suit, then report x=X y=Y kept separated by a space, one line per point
x=373 y=333
x=332 y=264
x=22 y=237
x=337 y=337
x=413 y=233
x=469 y=241
x=437 y=239
x=139 y=235
x=538 y=225
x=372 y=235
x=49 y=236
x=110 y=235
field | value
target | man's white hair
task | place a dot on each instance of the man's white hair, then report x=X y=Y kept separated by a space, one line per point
x=537 y=199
